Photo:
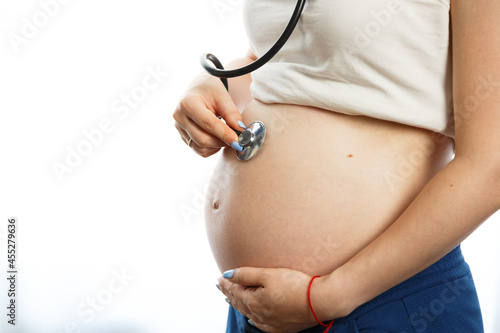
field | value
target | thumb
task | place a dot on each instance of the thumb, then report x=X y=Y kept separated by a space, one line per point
x=247 y=276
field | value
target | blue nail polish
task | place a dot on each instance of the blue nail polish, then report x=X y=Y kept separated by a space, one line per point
x=237 y=146
x=241 y=124
x=228 y=301
x=217 y=286
x=251 y=323
x=228 y=274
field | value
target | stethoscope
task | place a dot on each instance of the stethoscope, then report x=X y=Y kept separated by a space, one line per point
x=252 y=138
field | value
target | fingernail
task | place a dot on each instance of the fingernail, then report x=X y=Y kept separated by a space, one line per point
x=228 y=274
x=228 y=301
x=241 y=124
x=237 y=146
x=217 y=286
x=251 y=323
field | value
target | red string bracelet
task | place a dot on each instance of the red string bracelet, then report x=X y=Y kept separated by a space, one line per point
x=310 y=305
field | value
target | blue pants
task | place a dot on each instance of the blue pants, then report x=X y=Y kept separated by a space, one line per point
x=440 y=299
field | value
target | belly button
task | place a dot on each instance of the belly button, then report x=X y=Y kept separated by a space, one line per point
x=215 y=206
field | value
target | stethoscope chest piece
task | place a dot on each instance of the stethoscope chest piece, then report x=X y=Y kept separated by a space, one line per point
x=252 y=139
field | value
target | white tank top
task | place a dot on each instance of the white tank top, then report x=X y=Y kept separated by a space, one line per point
x=387 y=59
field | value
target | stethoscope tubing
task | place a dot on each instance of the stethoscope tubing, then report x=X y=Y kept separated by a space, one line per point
x=223 y=74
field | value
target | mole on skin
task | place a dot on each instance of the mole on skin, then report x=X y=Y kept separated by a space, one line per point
x=216 y=205
x=350 y=155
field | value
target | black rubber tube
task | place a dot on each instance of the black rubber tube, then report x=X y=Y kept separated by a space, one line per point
x=223 y=74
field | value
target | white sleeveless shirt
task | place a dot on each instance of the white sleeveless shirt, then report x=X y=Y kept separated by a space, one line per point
x=387 y=59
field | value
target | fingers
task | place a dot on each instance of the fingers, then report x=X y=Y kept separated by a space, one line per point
x=197 y=115
x=202 y=138
x=240 y=285
x=247 y=276
x=202 y=143
x=237 y=303
x=224 y=106
x=228 y=111
x=203 y=151
x=195 y=109
x=244 y=299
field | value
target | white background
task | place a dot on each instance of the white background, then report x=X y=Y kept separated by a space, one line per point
x=133 y=204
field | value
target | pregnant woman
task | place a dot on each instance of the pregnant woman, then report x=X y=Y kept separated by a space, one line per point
x=381 y=157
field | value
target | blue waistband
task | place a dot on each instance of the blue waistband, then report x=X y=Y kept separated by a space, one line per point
x=450 y=267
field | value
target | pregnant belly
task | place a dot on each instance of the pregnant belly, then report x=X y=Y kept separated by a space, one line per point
x=323 y=186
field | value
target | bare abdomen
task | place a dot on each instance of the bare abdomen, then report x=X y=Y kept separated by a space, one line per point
x=322 y=187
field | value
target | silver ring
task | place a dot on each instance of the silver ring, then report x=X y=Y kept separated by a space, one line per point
x=228 y=301
x=189 y=142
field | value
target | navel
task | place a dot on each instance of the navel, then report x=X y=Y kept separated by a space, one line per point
x=215 y=205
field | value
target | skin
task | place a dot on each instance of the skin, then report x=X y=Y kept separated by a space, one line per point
x=450 y=206
x=206 y=98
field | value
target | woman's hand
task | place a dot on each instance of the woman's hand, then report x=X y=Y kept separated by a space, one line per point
x=196 y=116
x=274 y=299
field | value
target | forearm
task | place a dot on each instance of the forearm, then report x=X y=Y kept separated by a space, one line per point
x=449 y=208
